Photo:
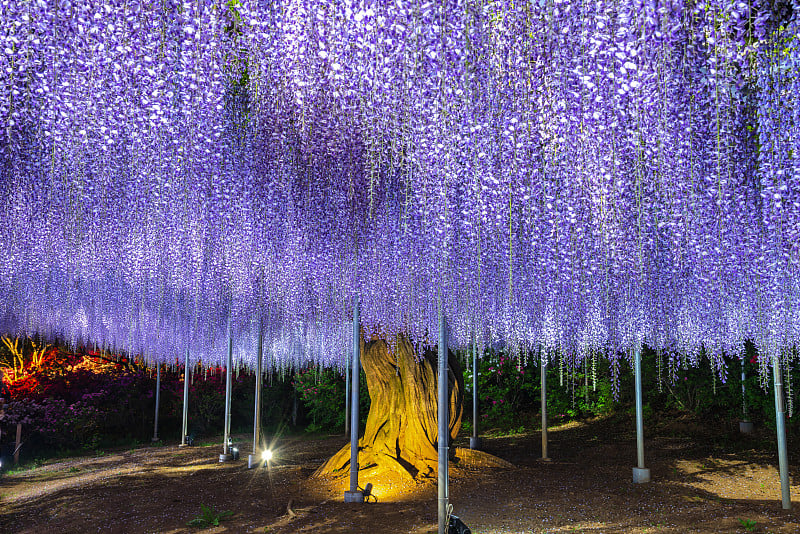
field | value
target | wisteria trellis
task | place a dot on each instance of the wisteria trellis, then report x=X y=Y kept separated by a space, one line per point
x=581 y=175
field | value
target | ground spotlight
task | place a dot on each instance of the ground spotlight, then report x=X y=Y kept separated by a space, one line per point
x=456 y=526
x=266 y=455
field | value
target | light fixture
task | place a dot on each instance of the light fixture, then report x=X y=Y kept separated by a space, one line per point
x=233 y=450
x=456 y=526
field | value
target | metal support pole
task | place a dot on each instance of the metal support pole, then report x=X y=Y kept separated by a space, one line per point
x=253 y=460
x=745 y=425
x=640 y=473
x=17 y=443
x=474 y=441
x=158 y=401
x=443 y=419
x=226 y=452
x=637 y=363
x=780 y=410
x=474 y=391
x=543 y=396
x=257 y=410
x=354 y=495
x=347 y=398
x=185 y=425
x=744 y=394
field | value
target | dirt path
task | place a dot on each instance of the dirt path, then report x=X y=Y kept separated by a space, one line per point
x=702 y=482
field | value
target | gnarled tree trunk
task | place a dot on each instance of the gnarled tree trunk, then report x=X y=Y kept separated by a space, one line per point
x=401 y=434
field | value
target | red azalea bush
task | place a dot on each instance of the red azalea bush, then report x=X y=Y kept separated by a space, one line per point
x=84 y=400
x=78 y=401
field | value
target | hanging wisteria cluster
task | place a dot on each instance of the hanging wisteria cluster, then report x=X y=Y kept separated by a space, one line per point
x=582 y=176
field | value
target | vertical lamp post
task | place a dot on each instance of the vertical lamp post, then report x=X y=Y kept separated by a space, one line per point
x=443 y=419
x=253 y=459
x=158 y=401
x=185 y=425
x=354 y=495
x=226 y=452
x=640 y=473
x=780 y=410
x=474 y=441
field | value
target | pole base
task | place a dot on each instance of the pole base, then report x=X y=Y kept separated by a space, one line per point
x=253 y=460
x=183 y=445
x=641 y=475
x=155 y=438
x=746 y=427
x=475 y=443
x=225 y=458
x=545 y=460
x=353 y=496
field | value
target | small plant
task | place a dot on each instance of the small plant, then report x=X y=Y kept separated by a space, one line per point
x=209 y=517
x=748 y=524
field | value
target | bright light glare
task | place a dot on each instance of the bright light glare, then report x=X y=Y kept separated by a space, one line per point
x=266 y=455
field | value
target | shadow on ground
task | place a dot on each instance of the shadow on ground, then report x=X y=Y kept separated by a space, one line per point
x=704 y=480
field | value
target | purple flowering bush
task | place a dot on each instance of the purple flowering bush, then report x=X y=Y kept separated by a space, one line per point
x=78 y=401
x=82 y=411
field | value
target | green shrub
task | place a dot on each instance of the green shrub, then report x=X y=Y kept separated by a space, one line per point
x=509 y=392
x=322 y=392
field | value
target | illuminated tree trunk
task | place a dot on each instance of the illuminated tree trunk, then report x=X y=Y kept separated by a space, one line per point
x=401 y=431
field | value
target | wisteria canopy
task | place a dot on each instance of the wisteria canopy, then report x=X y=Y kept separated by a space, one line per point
x=584 y=176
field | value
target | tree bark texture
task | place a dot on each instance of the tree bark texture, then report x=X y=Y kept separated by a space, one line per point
x=401 y=433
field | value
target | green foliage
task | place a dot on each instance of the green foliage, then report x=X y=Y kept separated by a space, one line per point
x=505 y=390
x=748 y=524
x=509 y=387
x=698 y=389
x=466 y=426
x=323 y=395
x=207 y=402
x=509 y=393
x=209 y=517
x=64 y=406
x=322 y=392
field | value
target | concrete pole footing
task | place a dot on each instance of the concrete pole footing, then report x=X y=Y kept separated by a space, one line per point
x=641 y=475
x=474 y=443
x=746 y=427
x=225 y=458
x=353 y=496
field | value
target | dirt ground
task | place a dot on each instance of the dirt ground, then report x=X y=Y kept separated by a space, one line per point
x=703 y=480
